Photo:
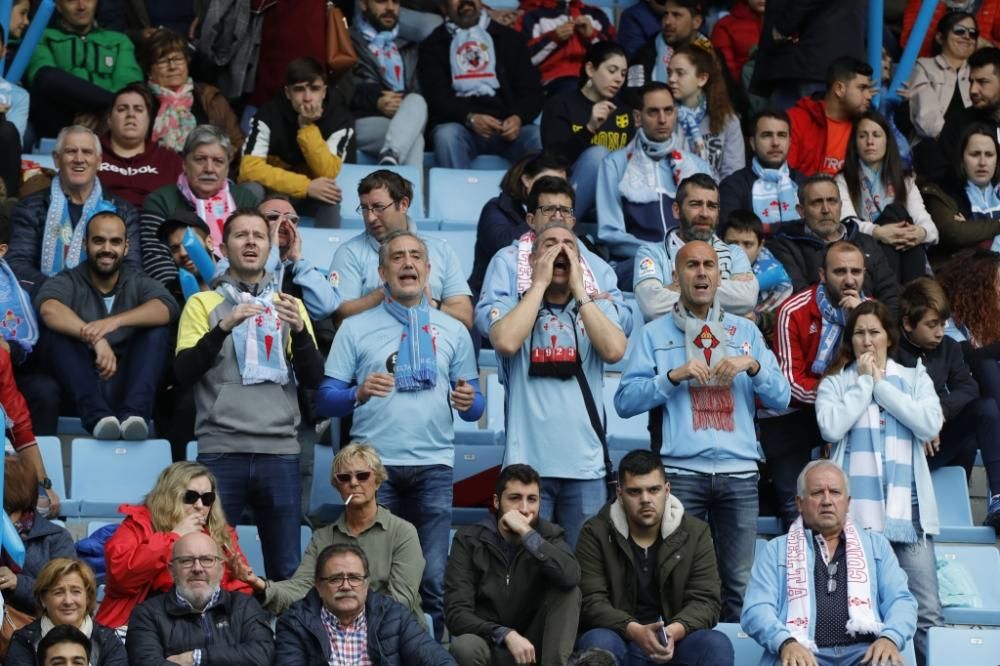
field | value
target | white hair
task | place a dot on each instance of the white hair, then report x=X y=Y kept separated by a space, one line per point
x=801 y=482
x=76 y=129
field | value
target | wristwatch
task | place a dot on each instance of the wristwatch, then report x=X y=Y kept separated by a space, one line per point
x=46 y=483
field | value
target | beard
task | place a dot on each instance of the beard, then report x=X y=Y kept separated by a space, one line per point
x=197 y=598
x=102 y=272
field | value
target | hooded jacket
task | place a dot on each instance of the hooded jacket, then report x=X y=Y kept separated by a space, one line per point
x=690 y=588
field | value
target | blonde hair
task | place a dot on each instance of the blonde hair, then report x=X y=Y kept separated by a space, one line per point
x=166 y=501
x=55 y=570
x=364 y=451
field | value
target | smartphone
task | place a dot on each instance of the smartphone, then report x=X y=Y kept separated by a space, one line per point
x=664 y=637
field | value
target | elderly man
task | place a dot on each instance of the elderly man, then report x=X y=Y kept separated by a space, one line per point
x=385 y=202
x=828 y=592
x=400 y=368
x=196 y=621
x=649 y=579
x=553 y=343
x=48 y=228
x=707 y=369
x=390 y=543
x=342 y=621
x=203 y=188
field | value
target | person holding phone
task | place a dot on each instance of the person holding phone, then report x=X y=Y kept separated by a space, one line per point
x=244 y=348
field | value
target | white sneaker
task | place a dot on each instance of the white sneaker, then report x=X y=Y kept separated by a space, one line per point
x=108 y=428
x=134 y=428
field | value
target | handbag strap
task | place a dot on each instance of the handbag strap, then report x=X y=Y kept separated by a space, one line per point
x=595 y=418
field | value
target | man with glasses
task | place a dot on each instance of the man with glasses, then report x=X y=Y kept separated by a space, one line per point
x=385 y=201
x=389 y=542
x=197 y=622
x=828 y=592
x=509 y=274
x=697 y=212
x=343 y=621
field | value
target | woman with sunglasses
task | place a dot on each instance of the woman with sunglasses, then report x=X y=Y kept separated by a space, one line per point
x=395 y=561
x=939 y=86
x=182 y=501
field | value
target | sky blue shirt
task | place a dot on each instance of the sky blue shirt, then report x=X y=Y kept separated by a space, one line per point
x=407 y=428
x=546 y=418
x=653 y=261
x=354 y=269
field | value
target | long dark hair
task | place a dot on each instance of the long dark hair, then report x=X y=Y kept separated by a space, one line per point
x=845 y=355
x=530 y=165
x=892 y=174
x=719 y=106
x=596 y=55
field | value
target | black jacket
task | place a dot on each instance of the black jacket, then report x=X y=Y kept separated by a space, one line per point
x=939 y=165
x=45 y=541
x=520 y=91
x=234 y=631
x=368 y=81
x=106 y=649
x=484 y=591
x=736 y=193
x=27 y=230
x=501 y=222
x=801 y=254
x=395 y=637
x=953 y=380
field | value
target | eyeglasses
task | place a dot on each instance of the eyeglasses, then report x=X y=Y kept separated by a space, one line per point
x=831 y=582
x=274 y=216
x=378 y=209
x=206 y=561
x=354 y=580
x=192 y=496
x=171 y=61
x=962 y=31
x=345 y=477
x=565 y=211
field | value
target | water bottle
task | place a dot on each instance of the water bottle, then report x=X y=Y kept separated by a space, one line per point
x=44 y=503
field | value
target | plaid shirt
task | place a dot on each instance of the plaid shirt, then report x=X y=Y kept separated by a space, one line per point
x=348 y=645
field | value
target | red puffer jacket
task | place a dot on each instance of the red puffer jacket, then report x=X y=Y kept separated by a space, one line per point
x=734 y=35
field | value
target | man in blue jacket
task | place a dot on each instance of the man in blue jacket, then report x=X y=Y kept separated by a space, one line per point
x=706 y=368
x=809 y=602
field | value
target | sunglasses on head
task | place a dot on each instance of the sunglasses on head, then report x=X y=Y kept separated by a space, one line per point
x=192 y=496
x=962 y=31
x=345 y=477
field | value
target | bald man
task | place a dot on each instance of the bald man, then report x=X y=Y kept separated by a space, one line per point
x=702 y=369
x=196 y=621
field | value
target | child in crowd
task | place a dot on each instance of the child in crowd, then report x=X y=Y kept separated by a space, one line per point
x=744 y=228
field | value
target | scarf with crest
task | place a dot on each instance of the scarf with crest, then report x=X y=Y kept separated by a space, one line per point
x=473 y=59
x=712 y=405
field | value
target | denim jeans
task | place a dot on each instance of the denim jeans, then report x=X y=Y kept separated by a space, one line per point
x=422 y=494
x=455 y=146
x=130 y=391
x=403 y=134
x=584 y=178
x=704 y=647
x=271 y=485
x=842 y=655
x=729 y=506
x=919 y=563
x=570 y=502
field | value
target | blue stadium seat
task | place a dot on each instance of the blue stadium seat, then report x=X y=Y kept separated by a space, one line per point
x=44 y=159
x=487 y=358
x=462 y=242
x=351 y=174
x=970 y=647
x=106 y=474
x=983 y=565
x=626 y=434
x=458 y=195
x=748 y=652
x=470 y=461
x=50 y=448
x=46 y=145
x=191 y=451
x=318 y=245
x=495 y=419
x=955 y=512
x=324 y=500
x=490 y=162
x=71 y=425
x=251 y=547
x=769 y=525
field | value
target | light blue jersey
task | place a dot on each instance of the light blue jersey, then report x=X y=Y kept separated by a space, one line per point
x=652 y=261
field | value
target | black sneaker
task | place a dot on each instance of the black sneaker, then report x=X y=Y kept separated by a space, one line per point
x=388 y=158
x=993 y=513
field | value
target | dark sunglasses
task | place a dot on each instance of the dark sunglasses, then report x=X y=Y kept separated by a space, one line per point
x=962 y=31
x=345 y=477
x=192 y=496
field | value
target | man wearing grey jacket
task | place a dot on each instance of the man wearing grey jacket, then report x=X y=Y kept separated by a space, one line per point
x=391 y=114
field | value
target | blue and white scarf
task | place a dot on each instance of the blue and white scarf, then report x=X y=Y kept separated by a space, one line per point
x=260 y=352
x=473 y=59
x=663 y=55
x=416 y=362
x=834 y=320
x=984 y=201
x=880 y=455
x=382 y=45
x=690 y=119
x=63 y=245
x=17 y=316
x=774 y=195
x=874 y=194
x=640 y=181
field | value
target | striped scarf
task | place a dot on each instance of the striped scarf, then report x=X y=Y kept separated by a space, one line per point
x=690 y=121
x=416 y=362
x=834 y=319
x=260 y=354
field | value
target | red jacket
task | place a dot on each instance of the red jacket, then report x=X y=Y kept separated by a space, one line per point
x=796 y=337
x=137 y=559
x=14 y=404
x=538 y=24
x=734 y=35
x=987 y=20
x=808 y=145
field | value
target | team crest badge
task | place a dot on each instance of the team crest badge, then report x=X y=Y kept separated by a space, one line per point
x=621 y=120
x=473 y=60
x=334 y=279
